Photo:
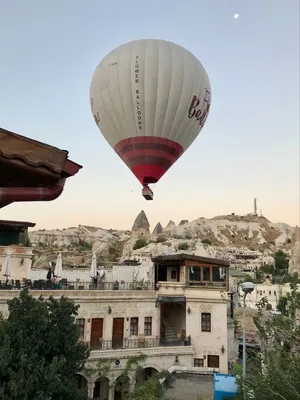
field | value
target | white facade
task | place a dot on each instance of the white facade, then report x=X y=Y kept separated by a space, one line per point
x=187 y=329
x=272 y=292
x=21 y=260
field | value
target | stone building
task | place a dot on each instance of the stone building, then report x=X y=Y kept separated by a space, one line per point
x=15 y=244
x=177 y=319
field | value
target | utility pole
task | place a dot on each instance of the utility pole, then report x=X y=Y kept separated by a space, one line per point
x=255 y=206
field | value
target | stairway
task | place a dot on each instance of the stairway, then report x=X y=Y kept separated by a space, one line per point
x=170 y=337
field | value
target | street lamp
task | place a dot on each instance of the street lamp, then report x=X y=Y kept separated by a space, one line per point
x=247 y=287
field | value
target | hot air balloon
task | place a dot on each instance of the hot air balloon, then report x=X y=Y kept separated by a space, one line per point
x=150 y=99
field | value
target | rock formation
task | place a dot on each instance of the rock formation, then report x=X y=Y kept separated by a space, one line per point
x=141 y=225
x=170 y=226
x=77 y=244
x=158 y=229
x=183 y=222
x=294 y=266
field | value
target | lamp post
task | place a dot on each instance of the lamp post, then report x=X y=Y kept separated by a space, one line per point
x=247 y=287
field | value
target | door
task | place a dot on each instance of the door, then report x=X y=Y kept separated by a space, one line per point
x=118 y=333
x=213 y=361
x=97 y=332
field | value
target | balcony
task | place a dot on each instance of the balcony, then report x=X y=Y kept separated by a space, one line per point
x=150 y=347
x=64 y=284
x=171 y=288
x=139 y=343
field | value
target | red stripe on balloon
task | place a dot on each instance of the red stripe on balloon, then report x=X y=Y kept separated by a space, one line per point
x=151 y=153
x=148 y=157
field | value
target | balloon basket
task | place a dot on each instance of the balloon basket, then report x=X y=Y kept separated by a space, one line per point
x=147 y=193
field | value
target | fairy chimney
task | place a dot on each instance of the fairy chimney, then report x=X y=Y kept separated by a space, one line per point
x=158 y=229
x=141 y=225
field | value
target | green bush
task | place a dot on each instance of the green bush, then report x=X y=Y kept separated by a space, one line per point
x=281 y=262
x=140 y=243
x=161 y=239
x=206 y=241
x=83 y=245
x=183 y=246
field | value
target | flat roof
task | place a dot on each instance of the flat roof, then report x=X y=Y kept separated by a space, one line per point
x=184 y=256
x=225 y=383
x=16 y=224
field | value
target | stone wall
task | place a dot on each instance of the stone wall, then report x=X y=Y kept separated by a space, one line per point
x=21 y=260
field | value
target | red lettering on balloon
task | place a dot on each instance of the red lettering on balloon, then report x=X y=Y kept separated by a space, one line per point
x=200 y=113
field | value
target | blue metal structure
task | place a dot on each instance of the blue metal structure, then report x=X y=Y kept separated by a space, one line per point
x=225 y=386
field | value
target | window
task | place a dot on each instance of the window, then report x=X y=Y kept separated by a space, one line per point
x=213 y=361
x=206 y=322
x=274 y=292
x=195 y=274
x=206 y=273
x=198 y=362
x=218 y=274
x=134 y=326
x=148 y=326
x=270 y=292
x=80 y=322
x=173 y=274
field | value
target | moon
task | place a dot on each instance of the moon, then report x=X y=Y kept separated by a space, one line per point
x=236 y=16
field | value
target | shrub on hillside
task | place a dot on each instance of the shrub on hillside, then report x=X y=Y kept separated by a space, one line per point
x=206 y=241
x=183 y=246
x=161 y=239
x=140 y=243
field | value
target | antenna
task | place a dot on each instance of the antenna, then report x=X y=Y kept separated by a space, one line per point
x=255 y=206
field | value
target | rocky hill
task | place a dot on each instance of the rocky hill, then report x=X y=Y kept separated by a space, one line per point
x=215 y=237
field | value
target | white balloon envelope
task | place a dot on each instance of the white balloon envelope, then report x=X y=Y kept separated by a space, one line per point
x=150 y=99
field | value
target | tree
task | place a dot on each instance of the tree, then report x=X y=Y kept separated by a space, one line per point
x=278 y=375
x=150 y=390
x=248 y=278
x=268 y=269
x=140 y=243
x=281 y=262
x=40 y=351
x=183 y=246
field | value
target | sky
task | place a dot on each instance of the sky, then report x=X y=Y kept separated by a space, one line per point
x=249 y=146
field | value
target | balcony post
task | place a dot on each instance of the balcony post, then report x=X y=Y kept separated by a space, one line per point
x=90 y=388
x=111 y=389
x=132 y=382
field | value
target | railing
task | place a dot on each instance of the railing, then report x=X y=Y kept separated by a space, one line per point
x=171 y=287
x=64 y=284
x=207 y=284
x=136 y=343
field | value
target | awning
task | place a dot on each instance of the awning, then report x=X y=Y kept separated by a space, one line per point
x=171 y=299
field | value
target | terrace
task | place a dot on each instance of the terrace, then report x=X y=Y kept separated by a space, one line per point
x=64 y=284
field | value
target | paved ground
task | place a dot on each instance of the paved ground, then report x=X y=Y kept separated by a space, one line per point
x=191 y=387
